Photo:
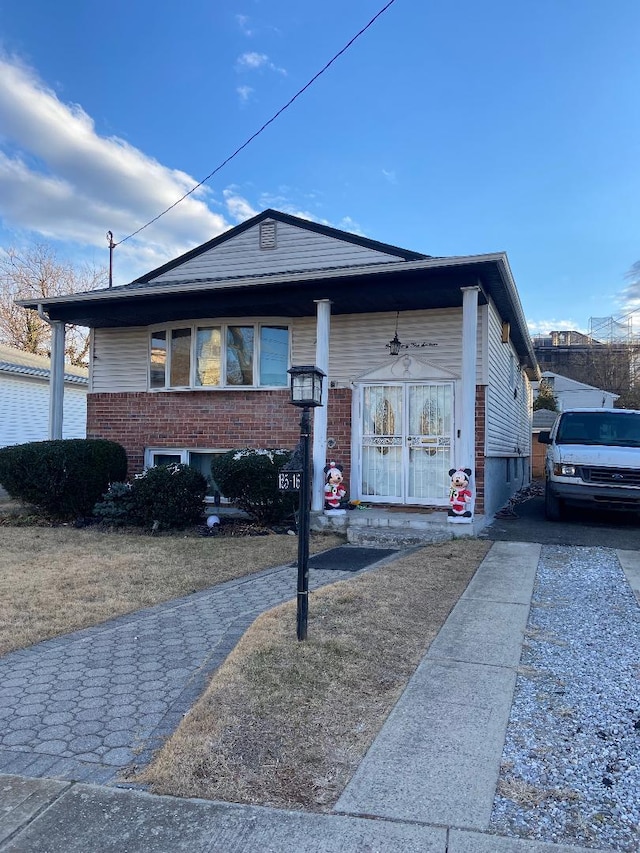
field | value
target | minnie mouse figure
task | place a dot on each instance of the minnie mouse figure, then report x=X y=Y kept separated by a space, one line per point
x=334 y=491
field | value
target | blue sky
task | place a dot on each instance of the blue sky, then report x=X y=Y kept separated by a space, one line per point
x=449 y=128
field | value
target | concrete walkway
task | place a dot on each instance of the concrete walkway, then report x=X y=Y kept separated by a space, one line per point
x=411 y=793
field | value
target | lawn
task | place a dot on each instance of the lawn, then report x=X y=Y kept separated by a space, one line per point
x=57 y=579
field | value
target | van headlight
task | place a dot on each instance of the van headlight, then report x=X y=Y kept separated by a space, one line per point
x=562 y=470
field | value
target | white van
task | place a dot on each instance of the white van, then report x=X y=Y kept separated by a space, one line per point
x=593 y=460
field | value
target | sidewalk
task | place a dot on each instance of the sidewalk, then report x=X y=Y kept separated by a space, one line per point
x=410 y=793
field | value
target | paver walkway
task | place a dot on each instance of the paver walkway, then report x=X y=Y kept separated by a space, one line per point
x=86 y=705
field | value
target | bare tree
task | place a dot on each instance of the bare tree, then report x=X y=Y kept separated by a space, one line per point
x=36 y=273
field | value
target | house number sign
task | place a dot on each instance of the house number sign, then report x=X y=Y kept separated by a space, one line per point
x=289 y=481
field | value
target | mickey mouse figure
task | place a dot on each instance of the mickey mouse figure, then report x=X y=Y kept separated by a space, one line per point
x=334 y=491
x=459 y=494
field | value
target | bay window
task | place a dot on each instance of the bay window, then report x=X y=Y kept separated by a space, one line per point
x=219 y=356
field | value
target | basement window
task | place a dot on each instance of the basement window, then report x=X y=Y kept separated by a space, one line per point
x=198 y=459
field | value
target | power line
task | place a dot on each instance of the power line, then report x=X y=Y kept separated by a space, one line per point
x=264 y=126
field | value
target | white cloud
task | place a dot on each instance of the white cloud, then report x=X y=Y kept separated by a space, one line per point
x=245 y=93
x=253 y=61
x=238 y=207
x=543 y=327
x=60 y=179
x=390 y=175
x=243 y=23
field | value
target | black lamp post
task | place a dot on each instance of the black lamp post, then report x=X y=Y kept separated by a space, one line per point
x=306 y=393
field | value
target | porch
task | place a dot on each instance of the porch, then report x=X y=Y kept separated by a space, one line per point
x=385 y=526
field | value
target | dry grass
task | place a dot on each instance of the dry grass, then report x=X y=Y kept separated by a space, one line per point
x=58 y=579
x=530 y=796
x=286 y=723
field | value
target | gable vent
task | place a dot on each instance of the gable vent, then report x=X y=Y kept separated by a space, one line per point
x=268 y=235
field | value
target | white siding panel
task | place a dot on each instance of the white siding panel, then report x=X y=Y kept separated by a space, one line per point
x=358 y=341
x=508 y=413
x=24 y=410
x=357 y=345
x=297 y=249
x=74 y=419
x=120 y=360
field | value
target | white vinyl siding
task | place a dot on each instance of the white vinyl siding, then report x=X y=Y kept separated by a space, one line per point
x=358 y=344
x=508 y=420
x=296 y=249
x=24 y=410
x=358 y=341
x=120 y=360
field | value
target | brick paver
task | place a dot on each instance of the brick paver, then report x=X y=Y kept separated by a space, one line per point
x=86 y=705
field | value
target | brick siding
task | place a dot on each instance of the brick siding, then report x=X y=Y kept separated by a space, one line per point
x=218 y=419
x=480 y=425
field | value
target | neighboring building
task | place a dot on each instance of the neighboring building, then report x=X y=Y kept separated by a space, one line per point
x=191 y=359
x=24 y=398
x=611 y=364
x=571 y=394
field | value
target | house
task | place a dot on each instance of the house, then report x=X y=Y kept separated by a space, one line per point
x=25 y=397
x=428 y=360
x=571 y=394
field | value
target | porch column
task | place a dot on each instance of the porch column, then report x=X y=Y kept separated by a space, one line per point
x=56 y=379
x=466 y=450
x=319 y=453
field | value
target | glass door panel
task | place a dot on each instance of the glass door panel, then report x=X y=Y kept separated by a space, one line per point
x=407 y=438
x=382 y=442
x=429 y=442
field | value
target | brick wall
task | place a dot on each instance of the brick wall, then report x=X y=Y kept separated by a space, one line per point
x=226 y=419
x=480 y=425
x=203 y=419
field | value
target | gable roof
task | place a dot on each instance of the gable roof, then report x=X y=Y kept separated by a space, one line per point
x=296 y=221
x=376 y=278
x=20 y=363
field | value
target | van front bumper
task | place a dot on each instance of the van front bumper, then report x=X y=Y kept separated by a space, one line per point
x=587 y=495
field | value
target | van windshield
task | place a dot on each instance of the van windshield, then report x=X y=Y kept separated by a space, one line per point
x=605 y=428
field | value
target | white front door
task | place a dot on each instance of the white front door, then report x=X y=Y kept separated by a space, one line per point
x=406 y=442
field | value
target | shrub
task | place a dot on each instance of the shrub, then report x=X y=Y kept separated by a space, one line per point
x=171 y=495
x=250 y=478
x=63 y=477
x=117 y=506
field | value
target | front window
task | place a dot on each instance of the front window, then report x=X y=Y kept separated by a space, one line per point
x=240 y=355
x=157 y=377
x=180 y=357
x=220 y=356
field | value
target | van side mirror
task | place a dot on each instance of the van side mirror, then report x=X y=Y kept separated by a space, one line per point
x=544 y=436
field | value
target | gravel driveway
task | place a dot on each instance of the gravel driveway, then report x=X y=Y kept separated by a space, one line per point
x=571 y=763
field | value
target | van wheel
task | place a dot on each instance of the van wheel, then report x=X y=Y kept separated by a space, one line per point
x=552 y=505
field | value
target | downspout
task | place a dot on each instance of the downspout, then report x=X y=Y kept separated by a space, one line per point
x=56 y=374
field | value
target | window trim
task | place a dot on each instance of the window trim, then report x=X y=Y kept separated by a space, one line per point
x=223 y=325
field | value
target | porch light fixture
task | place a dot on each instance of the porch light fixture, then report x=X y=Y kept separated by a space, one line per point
x=306 y=386
x=395 y=345
x=306 y=393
